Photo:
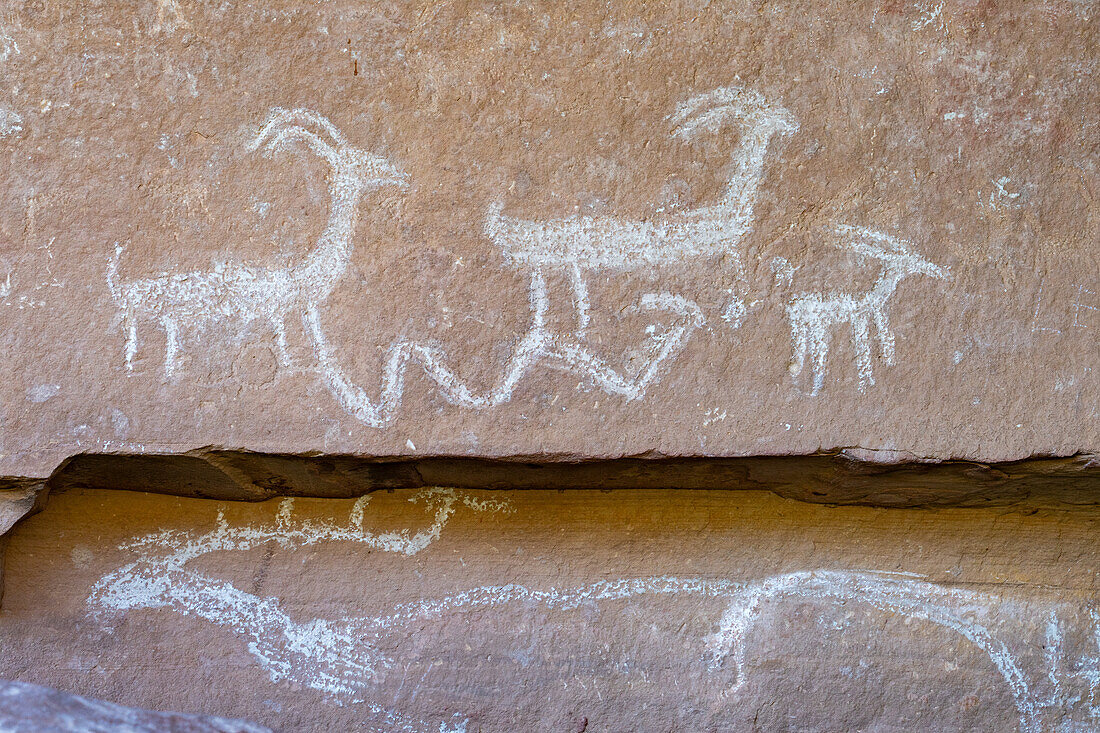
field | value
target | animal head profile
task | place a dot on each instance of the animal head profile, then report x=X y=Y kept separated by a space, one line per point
x=710 y=110
x=891 y=251
x=286 y=127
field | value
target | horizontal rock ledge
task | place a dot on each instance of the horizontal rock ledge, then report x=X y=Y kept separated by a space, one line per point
x=852 y=476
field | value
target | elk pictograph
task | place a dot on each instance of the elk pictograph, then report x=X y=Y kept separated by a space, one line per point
x=579 y=245
x=813 y=316
x=193 y=301
x=1049 y=679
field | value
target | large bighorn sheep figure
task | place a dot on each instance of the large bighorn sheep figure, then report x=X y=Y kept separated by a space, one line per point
x=194 y=300
x=581 y=244
x=813 y=315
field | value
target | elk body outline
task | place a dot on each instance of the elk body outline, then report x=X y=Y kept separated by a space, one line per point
x=196 y=300
x=343 y=659
x=580 y=244
x=813 y=316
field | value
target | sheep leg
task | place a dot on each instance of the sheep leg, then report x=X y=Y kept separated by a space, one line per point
x=171 y=345
x=131 y=338
x=862 y=343
x=821 y=352
x=278 y=325
x=580 y=300
x=800 y=336
x=885 y=337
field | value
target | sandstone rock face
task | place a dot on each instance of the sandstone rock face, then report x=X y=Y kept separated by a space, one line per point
x=452 y=610
x=843 y=252
x=686 y=229
x=28 y=708
x=18 y=501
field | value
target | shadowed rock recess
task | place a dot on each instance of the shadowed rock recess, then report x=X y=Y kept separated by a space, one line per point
x=485 y=366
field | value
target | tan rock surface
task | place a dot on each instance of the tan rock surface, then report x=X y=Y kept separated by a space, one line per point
x=575 y=610
x=764 y=206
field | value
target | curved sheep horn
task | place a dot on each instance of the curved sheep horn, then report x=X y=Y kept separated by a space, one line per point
x=709 y=110
x=315 y=142
x=284 y=118
x=719 y=97
x=871 y=243
x=889 y=249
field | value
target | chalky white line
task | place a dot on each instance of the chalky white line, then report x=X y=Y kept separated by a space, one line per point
x=341 y=658
x=194 y=301
x=579 y=244
x=813 y=316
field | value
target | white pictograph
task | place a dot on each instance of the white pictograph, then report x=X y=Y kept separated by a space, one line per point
x=194 y=301
x=583 y=244
x=813 y=316
x=10 y=122
x=1082 y=302
x=539 y=345
x=573 y=247
x=1049 y=679
x=323 y=655
x=1040 y=693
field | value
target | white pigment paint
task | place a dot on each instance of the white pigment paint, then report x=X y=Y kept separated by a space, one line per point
x=957 y=609
x=42 y=392
x=8 y=47
x=813 y=316
x=581 y=244
x=341 y=658
x=10 y=122
x=320 y=654
x=193 y=301
x=538 y=346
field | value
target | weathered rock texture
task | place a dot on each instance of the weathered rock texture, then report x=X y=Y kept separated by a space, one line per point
x=446 y=609
x=28 y=708
x=485 y=229
x=846 y=252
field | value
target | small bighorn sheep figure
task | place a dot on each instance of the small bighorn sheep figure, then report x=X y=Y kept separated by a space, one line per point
x=813 y=315
x=194 y=300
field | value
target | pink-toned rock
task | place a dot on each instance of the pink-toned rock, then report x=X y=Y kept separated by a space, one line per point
x=687 y=229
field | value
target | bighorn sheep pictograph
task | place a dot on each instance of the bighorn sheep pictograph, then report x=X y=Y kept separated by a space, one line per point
x=195 y=300
x=814 y=315
x=579 y=245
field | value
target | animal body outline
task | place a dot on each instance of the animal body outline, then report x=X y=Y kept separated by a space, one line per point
x=581 y=244
x=245 y=293
x=340 y=660
x=584 y=244
x=952 y=608
x=813 y=316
